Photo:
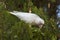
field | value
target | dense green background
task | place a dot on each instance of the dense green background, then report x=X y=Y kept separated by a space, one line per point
x=11 y=28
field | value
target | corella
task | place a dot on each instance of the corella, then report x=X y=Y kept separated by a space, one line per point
x=30 y=18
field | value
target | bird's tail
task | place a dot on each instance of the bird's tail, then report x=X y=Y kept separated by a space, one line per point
x=13 y=13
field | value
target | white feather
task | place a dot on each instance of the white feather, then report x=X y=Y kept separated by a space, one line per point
x=30 y=18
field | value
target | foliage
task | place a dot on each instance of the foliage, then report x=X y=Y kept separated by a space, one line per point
x=11 y=28
x=2 y=6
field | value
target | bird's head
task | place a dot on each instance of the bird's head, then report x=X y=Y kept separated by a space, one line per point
x=41 y=23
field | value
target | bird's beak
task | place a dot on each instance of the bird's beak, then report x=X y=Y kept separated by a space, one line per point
x=40 y=26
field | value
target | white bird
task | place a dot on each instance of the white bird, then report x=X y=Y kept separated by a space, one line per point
x=30 y=18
